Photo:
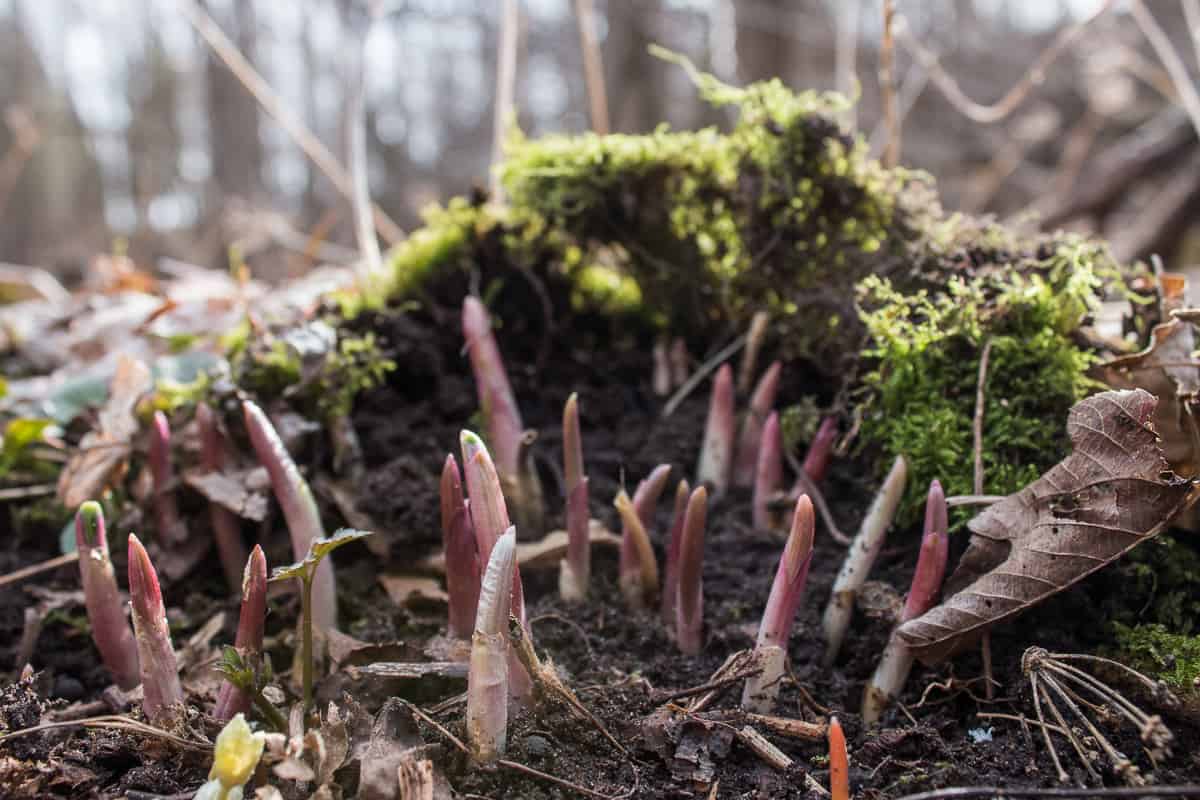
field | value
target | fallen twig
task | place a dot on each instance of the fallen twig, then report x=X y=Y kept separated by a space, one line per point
x=110 y=721
x=702 y=372
x=16 y=576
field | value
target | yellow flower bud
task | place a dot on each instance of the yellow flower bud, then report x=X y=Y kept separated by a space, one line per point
x=236 y=754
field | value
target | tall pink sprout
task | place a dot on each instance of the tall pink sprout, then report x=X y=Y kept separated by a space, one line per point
x=105 y=607
x=689 y=600
x=762 y=401
x=249 y=638
x=496 y=399
x=716 y=454
x=227 y=530
x=162 y=692
x=768 y=472
x=462 y=555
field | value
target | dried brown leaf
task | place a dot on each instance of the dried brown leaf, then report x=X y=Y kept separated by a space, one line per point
x=231 y=490
x=1113 y=491
x=1168 y=370
x=103 y=451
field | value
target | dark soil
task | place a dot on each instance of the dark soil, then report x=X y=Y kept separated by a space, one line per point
x=621 y=664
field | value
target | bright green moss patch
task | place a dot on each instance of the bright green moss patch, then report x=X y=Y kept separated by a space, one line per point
x=1169 y=657
x=926 y=347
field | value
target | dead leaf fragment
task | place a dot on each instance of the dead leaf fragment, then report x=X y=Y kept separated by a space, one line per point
x=231 y=490
x=104 y=450
x=407 y=590
x=1113 y=491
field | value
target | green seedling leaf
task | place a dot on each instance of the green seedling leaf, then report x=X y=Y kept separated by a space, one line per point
x=323 y=547
x=317 y=550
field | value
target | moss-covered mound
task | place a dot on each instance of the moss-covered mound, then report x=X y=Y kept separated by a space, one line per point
x=880 y=292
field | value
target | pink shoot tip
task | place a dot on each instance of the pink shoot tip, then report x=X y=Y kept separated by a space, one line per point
x=299 y=509
x=249 y=638
x=105 y=608
x=156 y=656
x=227 y=529
x=716 y=454
x=761 y=403
x=495 y=393
x=816 y=460
x=768 y=473
x=489 y=512
x=170 y=525
x=638 y=578
x=931 y=562
x=671 y=572
x=787 y=590
x=689 y=600
x=462 y=555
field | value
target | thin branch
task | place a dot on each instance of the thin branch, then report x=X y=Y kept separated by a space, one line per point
x=23 y=492
x=845 y=54
x=1191 y=13
x=1170 y=59
x=989 y=114
x=506 y=88
x=110 y=721
x=593 y=65
x=887 y=84
x=980 y=403
x=702 y=372
x=37 y=569
x=364 y=227
x=312 y=147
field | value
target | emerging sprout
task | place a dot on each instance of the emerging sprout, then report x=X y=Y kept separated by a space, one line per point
x=235 y=757
x=768 y=472
x=161 y=689
x=761 y=403
x=105 y=608
x=226 y=528
x=689 y=600
x=299 y=509
x=639 y=577
x=839 y=762
x=680 y=362
x=716 y=454
x=170 y=526
x=487 y=681
x=816 y=461
x=306 y=571
x=674 y=539
x=860 y=558
x=249 y=641
x=661 y=380
x=462 y=556
x=496 y=400
x=575 y=571
x=489 y=516
x=897 y=660
x=787 y=590
x=645 y=503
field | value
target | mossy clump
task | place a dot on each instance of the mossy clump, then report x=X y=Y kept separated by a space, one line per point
x=925 y=349
x=783 y=212
x=1173 y=658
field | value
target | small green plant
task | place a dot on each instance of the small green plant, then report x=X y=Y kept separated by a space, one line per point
x=1171 y=657
x=252 y=673
x=304 y=571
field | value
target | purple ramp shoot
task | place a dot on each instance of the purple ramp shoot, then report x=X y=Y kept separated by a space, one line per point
x=768 y=473
x=716 y=454
x=227 y=530
x=787 y=590
x=171 y=528
x=638 y=579
x=645 y=504
x=575 y=571
x=249 y=640
x=860 y=558
x=496 y=400
x=897 y=659
x=462 y=556
x=689 y=600
x=761 y=403
x=487 y=681
x=161 y=689
x=105 y=608
x=674 y=539
x=299 y=509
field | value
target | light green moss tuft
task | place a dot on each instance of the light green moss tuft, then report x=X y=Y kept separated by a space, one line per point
x=1169 y=657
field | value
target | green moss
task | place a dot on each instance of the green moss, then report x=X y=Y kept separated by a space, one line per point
x=1169 y=657
x=926 y=347
x=357 y=365
x=1158 y=582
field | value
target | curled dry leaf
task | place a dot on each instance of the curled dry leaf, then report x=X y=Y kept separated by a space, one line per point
x=231 y=490
x=1113 y=491
x=1168 y=370
x=103 y=452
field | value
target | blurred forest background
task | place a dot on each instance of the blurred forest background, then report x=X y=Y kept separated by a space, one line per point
x=120 y=123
